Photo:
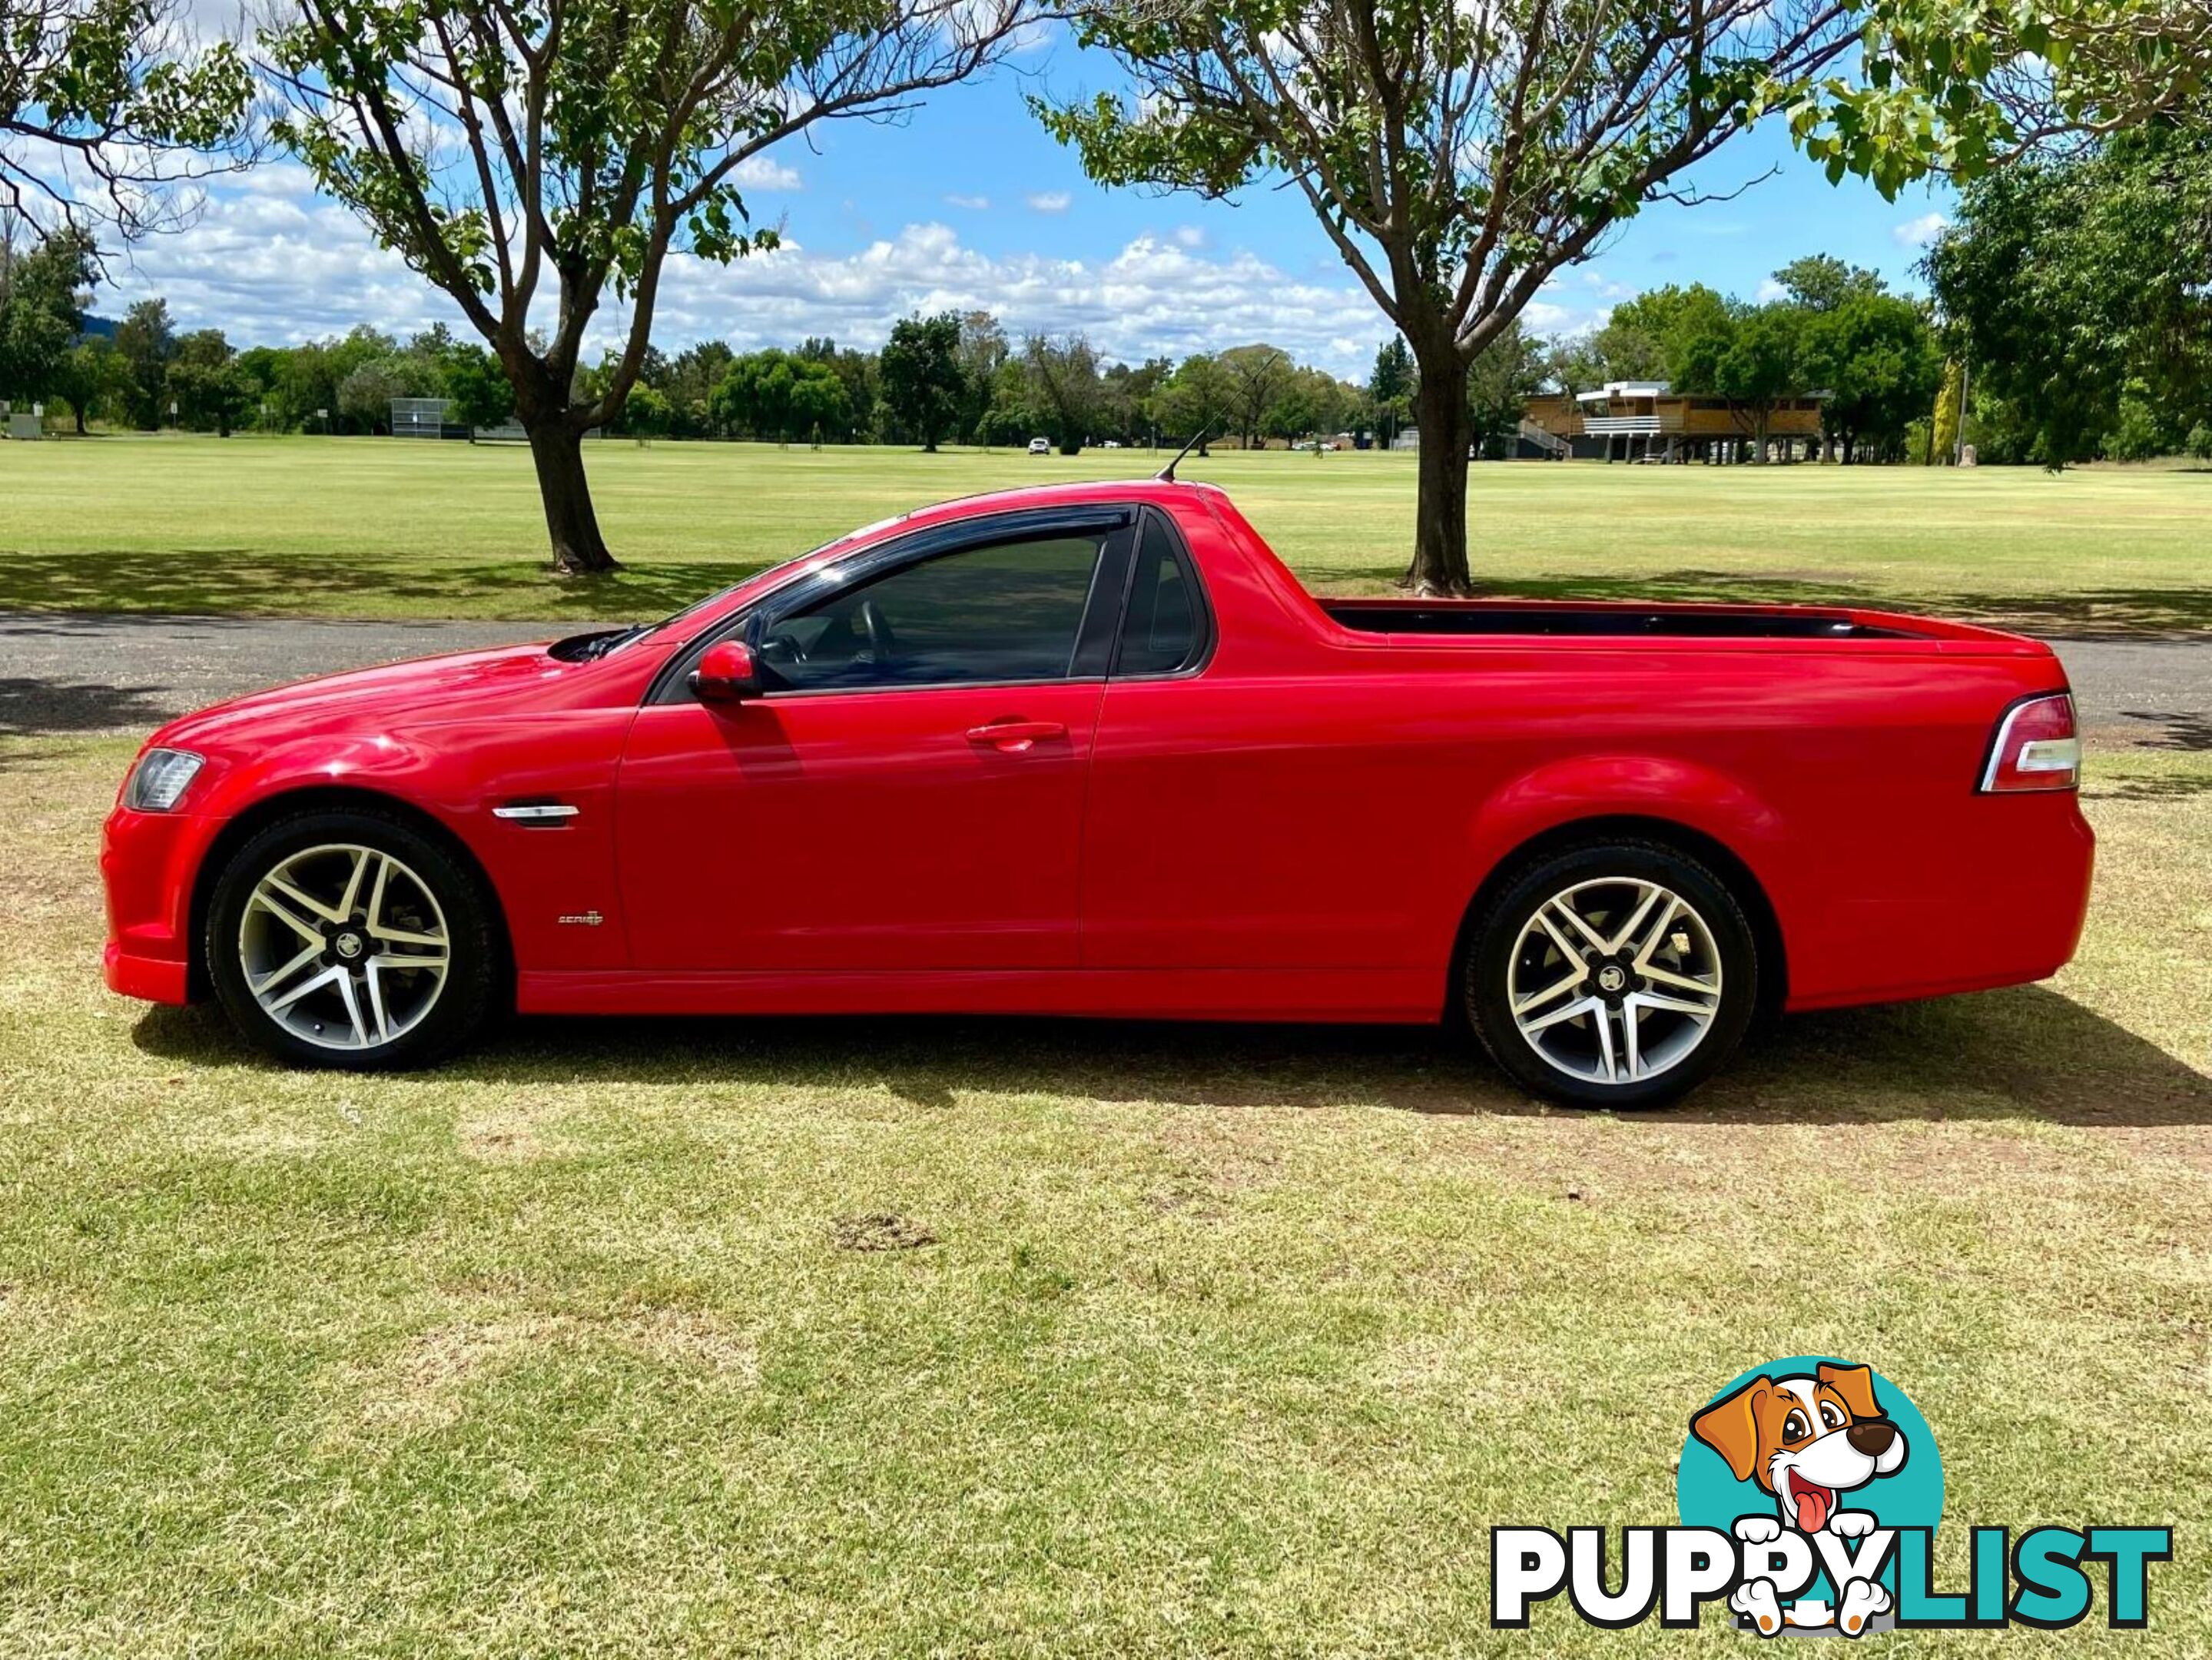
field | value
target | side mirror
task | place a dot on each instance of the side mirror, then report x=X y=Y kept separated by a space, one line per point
x=726 y=674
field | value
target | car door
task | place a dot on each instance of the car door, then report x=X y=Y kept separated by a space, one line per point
x=907 y=794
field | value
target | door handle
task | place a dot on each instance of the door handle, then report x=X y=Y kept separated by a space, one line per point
x=1015 y=737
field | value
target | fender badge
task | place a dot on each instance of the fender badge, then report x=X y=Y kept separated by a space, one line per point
x=590 y=919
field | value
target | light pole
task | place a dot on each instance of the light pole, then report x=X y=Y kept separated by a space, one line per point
x=1966 y=386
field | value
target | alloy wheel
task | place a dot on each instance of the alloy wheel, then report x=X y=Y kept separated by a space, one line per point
x=1614 y=981
x=344 y=946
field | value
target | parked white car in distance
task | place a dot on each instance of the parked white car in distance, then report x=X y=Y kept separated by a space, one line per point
x=1040 y=447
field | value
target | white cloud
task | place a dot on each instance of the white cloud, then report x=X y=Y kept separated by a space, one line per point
x=273 y=263
x=276 y=263
x=764 y=173
x=1049 y=201
x=1189 y=236
x=1152 y=297
x=973 y=203
x=1770 y=291
x=1922 y=232
x=215 y=20
x=286 y=180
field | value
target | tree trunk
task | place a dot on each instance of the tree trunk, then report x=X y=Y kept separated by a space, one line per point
x=578 y=548
x=1440 y=564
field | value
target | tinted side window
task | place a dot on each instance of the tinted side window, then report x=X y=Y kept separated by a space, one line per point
x=1160 y=633
x=1007 y=612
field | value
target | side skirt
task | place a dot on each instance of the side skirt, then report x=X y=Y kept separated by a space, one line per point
x=1380 y=997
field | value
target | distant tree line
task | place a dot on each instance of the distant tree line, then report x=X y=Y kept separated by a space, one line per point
x=953 y=378
x=962 y=377
x=2069 y=320
x=2071 y=311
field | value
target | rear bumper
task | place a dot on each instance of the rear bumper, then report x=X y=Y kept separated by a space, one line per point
x=2001 y=905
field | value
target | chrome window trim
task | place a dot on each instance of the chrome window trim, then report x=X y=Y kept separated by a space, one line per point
x=672 y=684
x=1157 y=521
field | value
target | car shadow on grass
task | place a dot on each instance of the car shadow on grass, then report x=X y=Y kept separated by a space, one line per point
x=2029 y=1052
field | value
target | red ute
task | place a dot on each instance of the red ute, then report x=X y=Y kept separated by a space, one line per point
x=1092 y=750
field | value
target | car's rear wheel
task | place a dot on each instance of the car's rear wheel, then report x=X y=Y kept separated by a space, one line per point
x=1621 y=974
x=350 y=940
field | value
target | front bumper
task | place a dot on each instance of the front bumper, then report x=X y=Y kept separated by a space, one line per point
x=157 y=980
x=147 y=864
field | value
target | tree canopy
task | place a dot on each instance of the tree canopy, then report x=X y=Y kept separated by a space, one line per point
x=1964 y=87
x=44 y=290
x=923 y=380
x=1498 y=386
x=2080 y=286
x=1456 y=157
x=203 y=384
x=1753 y=356
x=1194 y=401
x=1821 y=282
x=1070 y=393
x=779 y=396
x=1877 y=358
x=110 y=112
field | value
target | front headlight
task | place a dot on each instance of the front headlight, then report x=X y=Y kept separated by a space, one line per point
x=159 y=778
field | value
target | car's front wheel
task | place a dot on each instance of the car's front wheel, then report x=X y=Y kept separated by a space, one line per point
x=350 y=940
x=1619 y=974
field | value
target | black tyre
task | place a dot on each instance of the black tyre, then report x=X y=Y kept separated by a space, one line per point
x=1614 y=974
x=350 y=940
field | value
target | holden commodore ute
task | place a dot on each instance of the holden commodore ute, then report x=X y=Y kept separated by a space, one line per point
x=1091 y=750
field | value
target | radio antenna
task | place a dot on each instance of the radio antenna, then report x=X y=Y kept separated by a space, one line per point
x=1166 y=474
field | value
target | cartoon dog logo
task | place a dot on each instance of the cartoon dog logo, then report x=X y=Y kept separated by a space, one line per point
x=1807 y=1440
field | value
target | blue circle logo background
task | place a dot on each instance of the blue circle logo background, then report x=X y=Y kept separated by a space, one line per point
x=1708 y=1494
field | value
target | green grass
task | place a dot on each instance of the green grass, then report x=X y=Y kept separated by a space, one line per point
x=376 y=528
x=1227 y=1340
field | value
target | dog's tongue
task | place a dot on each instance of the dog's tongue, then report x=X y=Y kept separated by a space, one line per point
x=1812 y=1509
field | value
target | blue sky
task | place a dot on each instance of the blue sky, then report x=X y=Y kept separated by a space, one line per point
x=968 y=202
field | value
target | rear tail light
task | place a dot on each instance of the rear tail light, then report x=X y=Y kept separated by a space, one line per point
x=2036 y=748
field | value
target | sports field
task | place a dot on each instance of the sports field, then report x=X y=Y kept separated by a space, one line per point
x=389 y=527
